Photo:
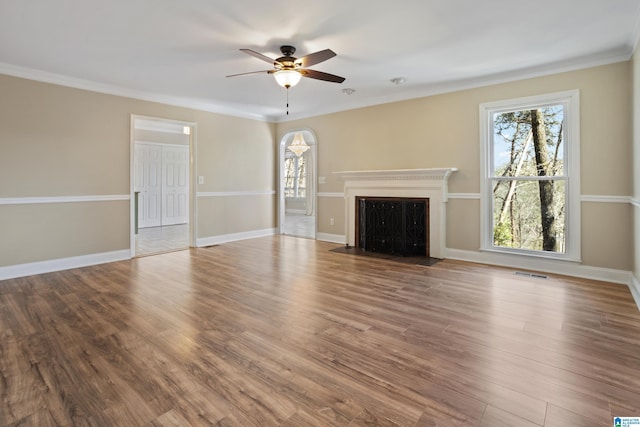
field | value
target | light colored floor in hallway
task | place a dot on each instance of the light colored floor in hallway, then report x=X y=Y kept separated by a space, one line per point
x=300 y=225
x=153 y=240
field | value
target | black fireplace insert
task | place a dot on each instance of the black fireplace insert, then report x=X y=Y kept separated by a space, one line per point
x=397 y=226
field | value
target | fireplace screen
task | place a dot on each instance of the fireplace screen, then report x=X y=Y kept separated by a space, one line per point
x=396 y=226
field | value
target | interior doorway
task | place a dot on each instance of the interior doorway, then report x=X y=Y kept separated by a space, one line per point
x=297 y=202
x=161 y=185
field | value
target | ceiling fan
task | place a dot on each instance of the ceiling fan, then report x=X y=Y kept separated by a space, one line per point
x=288 y=70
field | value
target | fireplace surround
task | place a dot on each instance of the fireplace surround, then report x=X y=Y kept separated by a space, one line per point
x=408 y=183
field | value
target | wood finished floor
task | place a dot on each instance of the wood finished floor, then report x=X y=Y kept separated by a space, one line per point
x=281 y=331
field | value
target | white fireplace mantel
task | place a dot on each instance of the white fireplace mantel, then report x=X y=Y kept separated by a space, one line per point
x=424 y=183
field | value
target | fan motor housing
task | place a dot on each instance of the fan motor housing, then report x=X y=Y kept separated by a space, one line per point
x=287 y=51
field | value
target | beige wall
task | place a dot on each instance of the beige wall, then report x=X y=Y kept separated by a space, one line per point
x=237 y=214
x=49 y=231
x=58 y=141
x=443 y=131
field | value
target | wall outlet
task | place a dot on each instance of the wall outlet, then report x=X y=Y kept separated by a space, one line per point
x=201 y=179
x=332 y=222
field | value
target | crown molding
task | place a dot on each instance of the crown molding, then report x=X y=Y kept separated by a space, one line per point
x=89 y=85
x=412 y=92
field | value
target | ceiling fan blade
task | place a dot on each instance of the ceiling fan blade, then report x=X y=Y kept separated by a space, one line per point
x=258 y=55
x=319 y=75
x=315 y=58
x=251 y=72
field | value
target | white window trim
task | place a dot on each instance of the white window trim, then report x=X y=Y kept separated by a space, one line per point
x=571 y=103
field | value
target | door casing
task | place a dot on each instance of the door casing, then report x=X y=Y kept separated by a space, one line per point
x=192 y=176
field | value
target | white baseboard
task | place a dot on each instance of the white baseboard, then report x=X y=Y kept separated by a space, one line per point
x=40 y=267
x=543 y=265
x=634 y=286
x=226 y=238
x=331 y=238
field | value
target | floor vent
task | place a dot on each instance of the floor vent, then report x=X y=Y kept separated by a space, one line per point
x=534 y=275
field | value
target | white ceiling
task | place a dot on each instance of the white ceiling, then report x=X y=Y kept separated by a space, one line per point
x=179 y=52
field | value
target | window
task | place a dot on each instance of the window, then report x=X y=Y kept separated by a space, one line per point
x=530 y=176
x=295 y=175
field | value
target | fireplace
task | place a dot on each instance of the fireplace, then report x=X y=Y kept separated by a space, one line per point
x=400 y=183
x=393 y=225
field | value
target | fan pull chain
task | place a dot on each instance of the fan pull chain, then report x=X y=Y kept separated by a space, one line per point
x=287 y=100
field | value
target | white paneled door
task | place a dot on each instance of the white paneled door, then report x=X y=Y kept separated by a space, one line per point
x=148 y=184
x=175 y=185
x=162 y=183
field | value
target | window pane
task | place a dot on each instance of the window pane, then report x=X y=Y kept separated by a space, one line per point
x=295 y=176
x=529 y=214
x=302 y=176
x=529 y=142
x=289 y=175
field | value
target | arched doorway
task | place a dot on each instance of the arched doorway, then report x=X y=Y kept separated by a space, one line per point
x=298 y=177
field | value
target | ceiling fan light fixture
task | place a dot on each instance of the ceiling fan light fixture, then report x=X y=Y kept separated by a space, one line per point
x=287 y=78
